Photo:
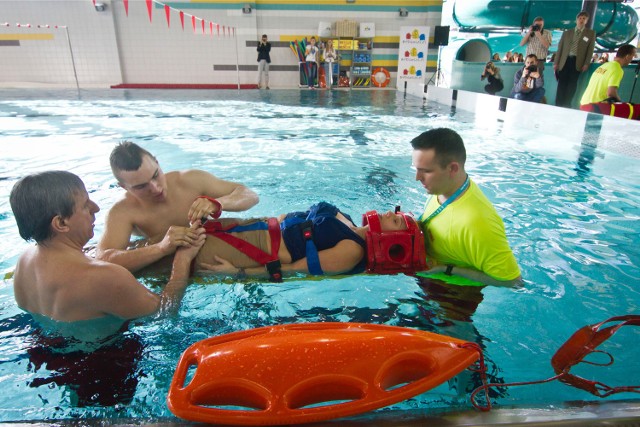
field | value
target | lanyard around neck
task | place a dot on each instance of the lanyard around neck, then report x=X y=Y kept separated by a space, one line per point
x=446 y=203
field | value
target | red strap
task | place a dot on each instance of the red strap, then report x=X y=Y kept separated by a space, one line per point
x=216 y=214
x=216 y=229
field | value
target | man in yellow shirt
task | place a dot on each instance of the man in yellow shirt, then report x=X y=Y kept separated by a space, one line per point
x=605 y=80
x=464 y=234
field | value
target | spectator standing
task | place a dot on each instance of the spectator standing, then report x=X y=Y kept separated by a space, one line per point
x=330 y=57
x=573 y=57
x=311 y=57
x=537 y=41
x=604 y=58
x=264 y=59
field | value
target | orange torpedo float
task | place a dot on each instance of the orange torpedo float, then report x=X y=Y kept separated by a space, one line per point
x=301 y=373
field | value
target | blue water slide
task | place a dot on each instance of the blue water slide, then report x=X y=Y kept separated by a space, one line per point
x=615 y=22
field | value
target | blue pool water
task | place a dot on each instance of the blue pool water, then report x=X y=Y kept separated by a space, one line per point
x=571 y=210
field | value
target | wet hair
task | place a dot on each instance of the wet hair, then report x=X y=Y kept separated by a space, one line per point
x=127 y=156
x=583 y=13
x=624 y=50
x=36 y=199
x=446 y=143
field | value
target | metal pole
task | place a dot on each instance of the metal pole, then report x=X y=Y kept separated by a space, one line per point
x=590 y=7
x=73 y=61
x=235 y=35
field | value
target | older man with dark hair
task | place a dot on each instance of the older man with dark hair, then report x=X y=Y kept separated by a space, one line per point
x=56 y=282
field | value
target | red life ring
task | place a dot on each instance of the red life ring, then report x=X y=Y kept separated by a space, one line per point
x=374 y=77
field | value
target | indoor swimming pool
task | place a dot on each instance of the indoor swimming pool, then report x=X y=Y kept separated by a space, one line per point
x=571 y=208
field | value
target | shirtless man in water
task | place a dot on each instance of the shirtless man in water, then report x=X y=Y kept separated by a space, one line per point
x=57 y=280
x=161 y=207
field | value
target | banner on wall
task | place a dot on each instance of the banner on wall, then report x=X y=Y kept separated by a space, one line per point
x=412 y=55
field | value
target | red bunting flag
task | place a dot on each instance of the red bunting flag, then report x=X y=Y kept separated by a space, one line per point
x=150 y=9
x=210 y=27
x=203 y=27
x=193 y=22
x=126 y=6
x=182 y=19
x=167 y=11
x=94 y=3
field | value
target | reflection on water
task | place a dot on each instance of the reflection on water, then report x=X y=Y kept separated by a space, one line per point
x=570 y=208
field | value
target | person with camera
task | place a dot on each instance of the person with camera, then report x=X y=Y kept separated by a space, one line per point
x=264 y=59
x=538 y=41
x=492 y=73
x=311 y=57
x=528 y=82
x=573 y=58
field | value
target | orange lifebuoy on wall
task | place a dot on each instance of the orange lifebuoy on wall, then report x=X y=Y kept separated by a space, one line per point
x=384 y=81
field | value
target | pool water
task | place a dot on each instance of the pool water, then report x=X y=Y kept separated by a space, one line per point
x=570 y=207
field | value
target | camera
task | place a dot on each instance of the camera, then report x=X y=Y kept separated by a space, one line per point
x=532 y=68
x=535 y=27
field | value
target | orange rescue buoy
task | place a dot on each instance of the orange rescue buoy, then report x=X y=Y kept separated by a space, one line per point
x=300 y=373
x=380 y=77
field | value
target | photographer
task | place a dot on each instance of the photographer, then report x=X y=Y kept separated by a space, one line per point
x=538 y=41
x=528 y=82
x=264 y=59
x=492 y=73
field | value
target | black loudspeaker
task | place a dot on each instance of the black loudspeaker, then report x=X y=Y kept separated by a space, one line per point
x=441 y=36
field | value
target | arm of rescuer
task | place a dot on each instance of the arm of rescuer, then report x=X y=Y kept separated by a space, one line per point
x=116 y=292
x=116 y=239
x=341 y=258
x=119 y=223
x=230 y=196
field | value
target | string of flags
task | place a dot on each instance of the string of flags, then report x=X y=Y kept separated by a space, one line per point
x=226 y=30
x=19 y=25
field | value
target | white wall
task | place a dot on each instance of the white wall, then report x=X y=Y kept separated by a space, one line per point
x=111 y=48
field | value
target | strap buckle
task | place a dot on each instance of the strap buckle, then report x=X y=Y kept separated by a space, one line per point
x=274 y=268
x=307 y=230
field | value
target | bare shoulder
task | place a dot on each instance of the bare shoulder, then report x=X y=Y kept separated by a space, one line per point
x=126 y=207
x=190 y=175
x=193 y=179
x=108 y=274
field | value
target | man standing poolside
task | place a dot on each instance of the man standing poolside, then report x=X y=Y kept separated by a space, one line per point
x=605 y=80
x=55 y=280
x=572 y=58
x=161 y=207
x=464 y=235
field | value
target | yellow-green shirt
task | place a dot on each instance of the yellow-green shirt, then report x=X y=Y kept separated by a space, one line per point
x=469 y=233
x=609 y=74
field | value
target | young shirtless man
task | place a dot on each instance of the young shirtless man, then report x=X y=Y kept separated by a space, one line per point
x=161 y=207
